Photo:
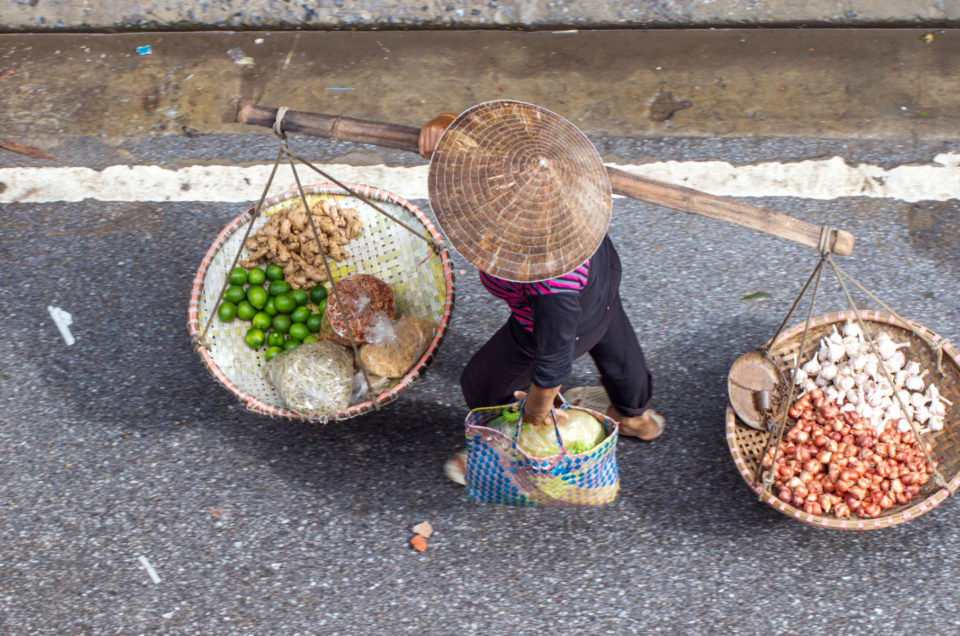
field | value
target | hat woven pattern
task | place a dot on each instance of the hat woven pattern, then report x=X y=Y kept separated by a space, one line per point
x=520 y=192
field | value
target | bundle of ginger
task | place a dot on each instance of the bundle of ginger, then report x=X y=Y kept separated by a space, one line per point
x=288 y=240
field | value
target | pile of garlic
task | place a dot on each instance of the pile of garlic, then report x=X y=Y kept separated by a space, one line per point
x=849 y=373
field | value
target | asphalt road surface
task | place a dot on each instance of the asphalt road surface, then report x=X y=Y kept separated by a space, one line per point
x=121 y=446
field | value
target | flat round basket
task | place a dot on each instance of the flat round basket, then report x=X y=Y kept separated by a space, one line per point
x=422 y=281
x=747 y=444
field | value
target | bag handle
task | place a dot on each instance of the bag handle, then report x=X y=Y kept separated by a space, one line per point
x=556 y=428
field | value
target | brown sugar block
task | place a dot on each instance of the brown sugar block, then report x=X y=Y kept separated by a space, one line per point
x=396 y=354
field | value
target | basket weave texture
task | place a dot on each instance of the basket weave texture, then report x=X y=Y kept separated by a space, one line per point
x=746 y=443
x=422 y=281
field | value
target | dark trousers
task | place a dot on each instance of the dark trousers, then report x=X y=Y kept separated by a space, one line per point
x=502 y=365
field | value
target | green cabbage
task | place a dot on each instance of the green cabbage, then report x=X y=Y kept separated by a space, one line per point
x=580 y=431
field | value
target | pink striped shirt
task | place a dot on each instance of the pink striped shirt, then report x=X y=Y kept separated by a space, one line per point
x=517 y=295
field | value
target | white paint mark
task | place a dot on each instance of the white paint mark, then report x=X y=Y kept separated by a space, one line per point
x=812 y=179
x=62 y=319
x=149 y=568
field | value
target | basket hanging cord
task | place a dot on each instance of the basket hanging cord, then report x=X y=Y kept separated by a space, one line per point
x=236 y=258
x=937 y=475
x=816 y=276
x=434 y=245
x=326 y=266
x=937 y=347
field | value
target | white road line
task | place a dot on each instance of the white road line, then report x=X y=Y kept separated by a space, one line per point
x=831 y=178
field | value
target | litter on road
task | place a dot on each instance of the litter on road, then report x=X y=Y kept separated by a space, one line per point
x=62 y=319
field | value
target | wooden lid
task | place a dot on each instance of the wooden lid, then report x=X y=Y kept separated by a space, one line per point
x=519 y=191
x=750 y=374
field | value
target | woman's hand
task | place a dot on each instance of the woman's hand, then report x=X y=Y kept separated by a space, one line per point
x=431 y=132
x=539 y=405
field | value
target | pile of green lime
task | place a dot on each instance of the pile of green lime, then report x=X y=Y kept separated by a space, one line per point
x=280 y=317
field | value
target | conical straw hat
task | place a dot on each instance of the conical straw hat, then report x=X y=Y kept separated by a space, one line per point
x=519 y=191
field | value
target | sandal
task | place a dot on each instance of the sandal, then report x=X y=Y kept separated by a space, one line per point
x=595 y=398
x=456 y=467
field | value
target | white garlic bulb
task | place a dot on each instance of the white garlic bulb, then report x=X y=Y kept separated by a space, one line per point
x=823 y=354
x=811 y=367
x=809 y=385
x=903 y=426
x=852 y=330
x=859 y=361
x=918 y=399
x=899 y=378
x=893 y=412
x=912 y=368
x=800 y=377
x=852 y=397
x=836 y=352
x=895 y=362
x=851 y=346
x=887 y=347
x=828 y=372
x=921 y=414
x=835 y=337
x=861 y=380
x=936 y=424
x=847 y=407
x=831 y=393
x=871 y=366
x=844 y=382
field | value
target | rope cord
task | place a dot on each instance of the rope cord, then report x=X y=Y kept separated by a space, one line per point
x=434 y=245
x=937 y=475
x=326 y=266
x=236 y=258
x=782 y=419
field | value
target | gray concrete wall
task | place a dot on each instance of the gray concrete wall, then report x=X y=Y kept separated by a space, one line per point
x=112 y=15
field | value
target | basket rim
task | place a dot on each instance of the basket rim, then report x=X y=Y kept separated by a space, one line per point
x=884 y=521
x=255 y=404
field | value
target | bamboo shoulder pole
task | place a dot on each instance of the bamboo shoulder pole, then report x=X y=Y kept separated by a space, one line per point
x=622 y=182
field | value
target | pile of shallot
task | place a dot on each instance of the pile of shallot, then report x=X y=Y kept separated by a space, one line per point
x=832 y=460
x=851 y=375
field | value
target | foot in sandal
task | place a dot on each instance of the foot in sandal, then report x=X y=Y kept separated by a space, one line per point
x=647 y=426
x=456 y=468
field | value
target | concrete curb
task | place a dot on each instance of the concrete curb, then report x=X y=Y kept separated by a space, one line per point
x=179 y=15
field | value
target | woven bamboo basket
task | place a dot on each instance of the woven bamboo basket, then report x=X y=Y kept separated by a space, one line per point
x=747 y=444
x=422 y=281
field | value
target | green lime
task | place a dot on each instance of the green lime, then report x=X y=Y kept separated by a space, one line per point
x=238 y=276
x=234 y=294
x=299 y=331
x=272 y=353
x=281 y=323
x=245 y=310
x=274 y=271
x=255 y=338
x=256 y=276
x=292 y=343
x=261 y=321
x=310 y=338
x=257 y=296
x=318 y=293
x=284 y=303
x=314 y=322
x=278 y=287
x=300 y=296
x=270 y=308
x=275 y=339
x=227 y=311
x=300 y=314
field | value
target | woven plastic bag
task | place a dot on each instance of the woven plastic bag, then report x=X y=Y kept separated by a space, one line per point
x=500 y=471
